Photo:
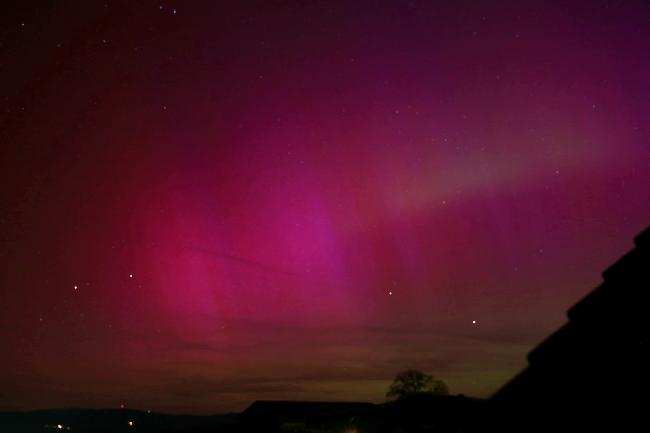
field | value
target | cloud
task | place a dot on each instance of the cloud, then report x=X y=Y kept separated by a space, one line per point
x=199 y=387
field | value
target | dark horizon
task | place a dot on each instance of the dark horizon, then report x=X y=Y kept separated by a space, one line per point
x=205 y=205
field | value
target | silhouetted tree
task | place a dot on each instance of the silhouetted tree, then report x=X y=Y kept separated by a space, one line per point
x=411 y=382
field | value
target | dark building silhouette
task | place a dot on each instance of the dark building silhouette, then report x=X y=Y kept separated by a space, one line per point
x=303 y=416
x=417 y=413
x=592 y=374
x=431 y=413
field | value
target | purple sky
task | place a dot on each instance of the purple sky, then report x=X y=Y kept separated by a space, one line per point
x=207 y=204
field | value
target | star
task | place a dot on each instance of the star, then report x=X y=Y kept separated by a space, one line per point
x=130 y=275
x=473 y=322
x=76 y=287
x=390 y=293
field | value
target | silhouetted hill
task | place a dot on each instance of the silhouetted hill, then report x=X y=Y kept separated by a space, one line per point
x=107 y=421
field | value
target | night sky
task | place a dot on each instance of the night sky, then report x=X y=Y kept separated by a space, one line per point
x=207 y=203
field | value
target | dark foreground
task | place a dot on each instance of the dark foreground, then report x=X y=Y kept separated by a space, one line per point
x=419 y=413
x=107 y=421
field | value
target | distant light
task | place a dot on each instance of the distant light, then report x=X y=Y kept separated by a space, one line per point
x=130 y=423
x=130 y=275
x=59 y=426
x=122 y=405
x=76 y=287
x=473 y=322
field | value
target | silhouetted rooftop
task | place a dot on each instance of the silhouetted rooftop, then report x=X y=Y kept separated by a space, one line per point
x=590 y=373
